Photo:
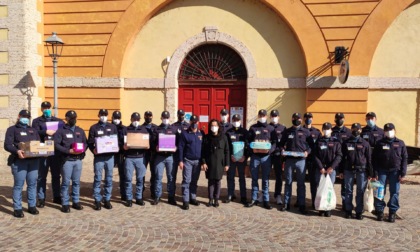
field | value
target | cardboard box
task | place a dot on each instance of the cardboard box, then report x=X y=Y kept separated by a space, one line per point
x=107 y=144
x=138 y=140
x=37 y=149
x=78 y=147
x=166 y=143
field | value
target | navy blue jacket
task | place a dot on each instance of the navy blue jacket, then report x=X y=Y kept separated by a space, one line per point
x=122 y=131
x=162 y=129
x=98 y=130
x=137 y=153
x=278 y=130
x=342 y=134
x=372 y=135
x=327 y=153
x=226 y=126
x=19 y=133
x=190 y=145
x=238 y=135
x=65 y=137
x=390 y=155
x=295 y=139
x=264 y=132
x=39 y=124
x=357 y=155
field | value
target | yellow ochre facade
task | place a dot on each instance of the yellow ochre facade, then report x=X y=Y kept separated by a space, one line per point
x=126 y=55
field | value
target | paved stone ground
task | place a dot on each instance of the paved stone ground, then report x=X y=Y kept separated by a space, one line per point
x=231 y=227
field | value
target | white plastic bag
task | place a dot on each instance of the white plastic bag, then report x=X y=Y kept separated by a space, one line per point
x=325 y=199
x=368 y=199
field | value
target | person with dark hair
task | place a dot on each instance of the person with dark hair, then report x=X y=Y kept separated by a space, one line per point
x=23 y=168
x=119 y=158
x=215 y=160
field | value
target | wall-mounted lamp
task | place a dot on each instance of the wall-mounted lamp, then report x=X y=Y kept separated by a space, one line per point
x=339 y=53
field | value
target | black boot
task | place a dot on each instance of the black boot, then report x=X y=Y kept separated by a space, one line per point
x=194 y=202
x=327 y=214
x=97 y=205
x=65 y=209
x=267 y=205
x=359 y=216
x=185 y=206
x=302 y=210
x=286 y=207
x=321 y=213
x=77 y=206
x=40 y=203
x=252 y=203
x=211 y=203
x=379 y=216
x=129 y=203
x=172 y=201
x=348 y=215
x=244 y=200
x=391 y=217
x=18 y=213
x=216 y=203
x=155 y=202
x=33 y=210
x=140 y=202
x=228 y=200
x=57 y=200
x=107 y=204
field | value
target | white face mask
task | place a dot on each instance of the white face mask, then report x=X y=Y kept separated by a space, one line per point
x=135 y=123
x=116 y=121
x=390 y=134
x=236 y=124
x=214 y=129
x=223 y=118
x=165 y=121
x=275 y=119
x=262 y=119
x=103 y=119
x=327 y=133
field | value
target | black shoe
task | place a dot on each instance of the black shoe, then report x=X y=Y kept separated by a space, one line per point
x=391 y=217
x=18 y=213
x=107 y=204
x=129 y=203
x=379 y=216
x=244 y=201
x=285 y=208
x=65 y=209
x=267 y=205
x=252 y=203
x=327 y=214
x=185 y=206
x=228 y=200
x=211 y=203
x=97 y=205
x=302 y=210
x=40 y=203
x=155 y=202
x=140 y=202
x=233 y=198
x=33 y=210
x=194 y=202
x=359 y=216
x=123 y=198
x=77 y=206
x=348 y=215
x=57 y=200
x=320 y=213
x=216 y=203
x=172 y=201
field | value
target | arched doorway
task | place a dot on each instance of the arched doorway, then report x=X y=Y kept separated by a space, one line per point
x=212 y=77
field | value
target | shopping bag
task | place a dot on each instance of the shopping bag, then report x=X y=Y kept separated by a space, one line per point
x=368 y=199
x=325 y=199
x=378 y=190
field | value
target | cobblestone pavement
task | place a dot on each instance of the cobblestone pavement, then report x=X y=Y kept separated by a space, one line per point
x=231 y=227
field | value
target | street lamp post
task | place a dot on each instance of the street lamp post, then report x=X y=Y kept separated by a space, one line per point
x=54 y=46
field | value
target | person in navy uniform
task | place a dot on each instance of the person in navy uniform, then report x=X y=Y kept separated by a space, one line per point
x=164 y=159
x=119 y=157
x=357 y=162
x=371 y=132
x=149 y=156
x=224 y=120
x=190 y=156
x=23 y=168
x=64 y=140
x=51 y=162
x=276 y=158
x=180 y=126
x=261 y=131
x=237 y=134
x=135 y=159
x=315 y=134
x=327 y=157
x=389 y=160
x=342 y=133
x=295 y=139
x=103 y=161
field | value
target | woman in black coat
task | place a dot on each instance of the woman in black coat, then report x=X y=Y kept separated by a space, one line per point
x=215 y=160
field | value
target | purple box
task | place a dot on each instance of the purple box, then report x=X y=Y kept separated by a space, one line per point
x=167 y=143
x=78 y=147
x=52 y=126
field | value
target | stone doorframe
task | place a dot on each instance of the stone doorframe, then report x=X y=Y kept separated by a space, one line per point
x=210 y=35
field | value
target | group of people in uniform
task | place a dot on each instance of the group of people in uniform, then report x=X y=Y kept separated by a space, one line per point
x=356 y=155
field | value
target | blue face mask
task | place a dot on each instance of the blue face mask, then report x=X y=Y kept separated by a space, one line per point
x=371 y=123
x=47 y=113
x=24 y=121
x=308 y=121
x=194 y=125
